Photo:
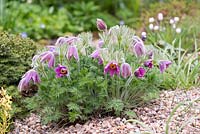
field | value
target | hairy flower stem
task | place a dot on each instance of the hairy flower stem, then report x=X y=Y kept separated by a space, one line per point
x=43 y=71
x=117 y=88
x=60 y=56
x=106 y=88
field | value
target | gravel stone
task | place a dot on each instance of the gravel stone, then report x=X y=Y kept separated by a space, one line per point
x=154 y=115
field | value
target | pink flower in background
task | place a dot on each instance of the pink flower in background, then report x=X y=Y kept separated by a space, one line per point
x=30 y=75
x=164 y=64
x=96 y=55
x=72 y=51
x=61 y=71
x=101 y=25
x=140 y=72
x=49 y=57
x=126 y=70
x=148 y=63
x=112 y=68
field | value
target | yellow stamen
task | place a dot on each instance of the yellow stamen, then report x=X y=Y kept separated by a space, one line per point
x=63 y=71
x=113 y=66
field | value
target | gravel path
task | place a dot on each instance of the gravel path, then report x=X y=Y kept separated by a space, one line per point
x=154 y=115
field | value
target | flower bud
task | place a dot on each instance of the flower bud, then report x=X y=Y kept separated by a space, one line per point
x=174 y=26
x=160 y=16
x=140 y=72
x=151 y=26
x=151 y=20
x=148 y=63
x=156 y=28
x=143 y=36
x=101 y=25
x=171 y=21
x=176 y=19
x=150 y=54
x=139 y=49
x=178 y=30
x=138 y=46
x=126 y=70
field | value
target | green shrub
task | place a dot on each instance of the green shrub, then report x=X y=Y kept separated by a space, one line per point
x=42 y=22
x=15 y=57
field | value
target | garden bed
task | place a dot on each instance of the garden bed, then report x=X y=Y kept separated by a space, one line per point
x=154 y=114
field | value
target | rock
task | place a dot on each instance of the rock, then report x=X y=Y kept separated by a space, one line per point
x=129 y=126
x=154 y=116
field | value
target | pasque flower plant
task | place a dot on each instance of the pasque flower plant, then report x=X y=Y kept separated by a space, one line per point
x=112 y=75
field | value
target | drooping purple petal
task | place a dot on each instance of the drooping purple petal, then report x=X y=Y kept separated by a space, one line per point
x=96 y=55
x=164 y=64
x=100 y=43
x=51 y=48
x=72 y=51
x=112 y=72
x=140 y=72
x=30 y=75
x=63 y=40
x=148 y=63
x=51 y=62
x=71 y=40
x=60 y=41
x=49 y=57
x=150 y=54
x=23 y=84
x=100 y=61
x=112 y=68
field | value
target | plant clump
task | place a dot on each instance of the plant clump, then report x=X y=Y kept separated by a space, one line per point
x=77 y=78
